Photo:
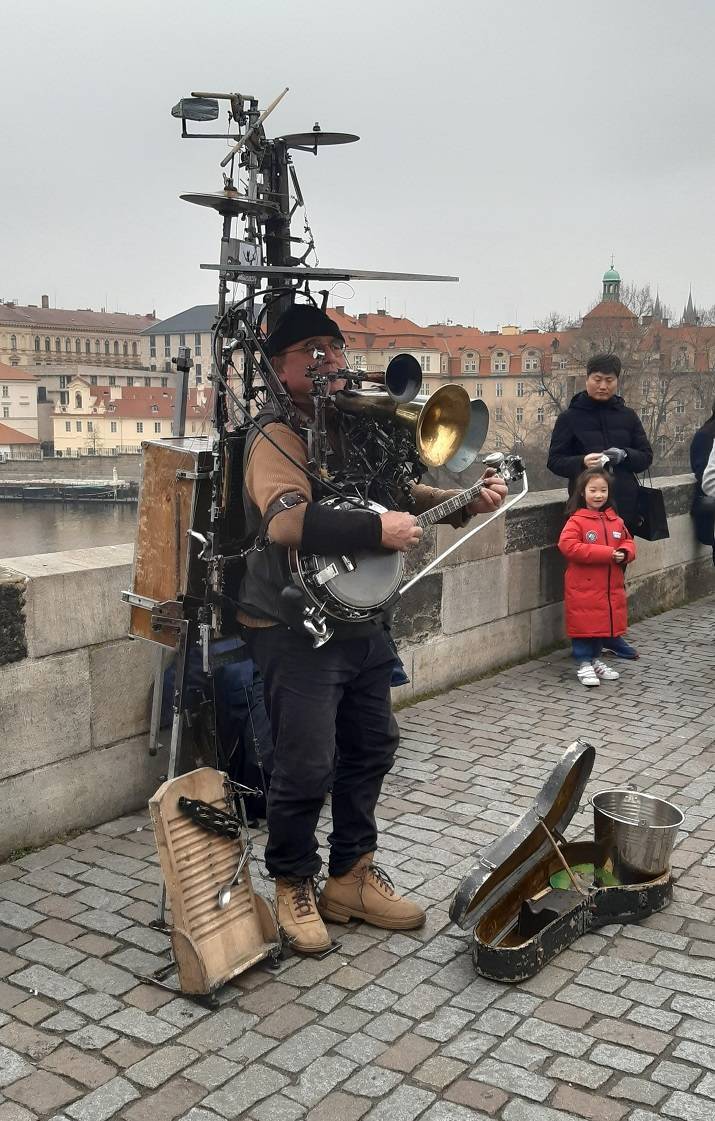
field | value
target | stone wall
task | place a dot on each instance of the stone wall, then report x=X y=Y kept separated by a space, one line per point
x=86 y=468
x=75 y=691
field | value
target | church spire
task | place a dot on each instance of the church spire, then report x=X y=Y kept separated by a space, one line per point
x=690 y=316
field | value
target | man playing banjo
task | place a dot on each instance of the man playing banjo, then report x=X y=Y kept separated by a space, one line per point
x=329 y=705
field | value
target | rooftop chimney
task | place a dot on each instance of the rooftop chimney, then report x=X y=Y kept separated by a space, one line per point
x=382 y=311
x=341 y=310
x=46 y=301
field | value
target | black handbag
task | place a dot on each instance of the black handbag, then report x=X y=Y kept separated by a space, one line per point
x=651 y=521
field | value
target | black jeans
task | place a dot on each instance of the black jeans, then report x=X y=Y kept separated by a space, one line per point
x=333 y=728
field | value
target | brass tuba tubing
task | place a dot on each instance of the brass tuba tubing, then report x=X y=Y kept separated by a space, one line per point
x=438 y=424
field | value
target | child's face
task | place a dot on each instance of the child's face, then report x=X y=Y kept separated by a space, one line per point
x=596 y=493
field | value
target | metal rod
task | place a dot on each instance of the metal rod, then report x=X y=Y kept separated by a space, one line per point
x=458 y=544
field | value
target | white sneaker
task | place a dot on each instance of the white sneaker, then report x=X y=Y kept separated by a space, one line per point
x=604 y=672
x=587 y=674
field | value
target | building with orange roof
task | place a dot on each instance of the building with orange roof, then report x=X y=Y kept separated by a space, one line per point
x=18 y=400
x=18 y=445
x=109 y=420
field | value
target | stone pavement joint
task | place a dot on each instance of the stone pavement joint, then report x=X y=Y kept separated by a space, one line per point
x=393 y=1026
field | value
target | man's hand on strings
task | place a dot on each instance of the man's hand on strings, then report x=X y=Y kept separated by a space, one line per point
x=492 y=495
x=400 y=532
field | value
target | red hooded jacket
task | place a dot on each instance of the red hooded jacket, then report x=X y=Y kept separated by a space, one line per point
x=595 y=593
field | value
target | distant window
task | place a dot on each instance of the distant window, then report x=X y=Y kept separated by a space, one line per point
x=47 y=345
x=157 y=426
x=699 y=400
x=6 y=391
x=87 y=346
x=13 y=342
x=424 y=388
x=78 y=346
x=112 y=426
x=425 y=362
x=164 y=381
x=167 y=366
x=519 y=416
x=78 y=425
x=499 y=389
x=197 y=343
x=106 y=346
x=96 y=346
x=90 y=426
x=135 y=350
x=471 y=364
x=199 y=376
x=680 y=433
x=78 y=400
x=41 y=393
x=63 y=381
x=500 y=362
x=64 y=397
x=112 y=379
x=130 y=381
x=499 y=414
x=125 y=349
x=155 y=408
x=152 y=346
x=116 y=347
x=58 y=345
x=541 y=390
x=540 y=415
x=5 y=412
x=498 y=442
x=93 y=379
x=68 y=426
x=182 y=340
x=531 y=361
x=140 y=426
x=37 y=343
x=520 y=389
x=680 y=407
x=68 y=346
x=147 y=381
x=478 y=389
x=167 y=346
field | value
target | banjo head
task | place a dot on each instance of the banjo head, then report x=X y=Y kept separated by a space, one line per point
x=375 y=578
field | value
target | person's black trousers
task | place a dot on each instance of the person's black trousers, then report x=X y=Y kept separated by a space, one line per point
x=333 y=728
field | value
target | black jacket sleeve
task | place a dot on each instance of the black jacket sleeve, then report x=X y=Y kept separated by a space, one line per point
x=562 y=459
x=640 y=453
x=700 y=449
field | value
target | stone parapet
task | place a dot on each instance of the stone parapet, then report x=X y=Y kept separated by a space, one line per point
x=75 y=690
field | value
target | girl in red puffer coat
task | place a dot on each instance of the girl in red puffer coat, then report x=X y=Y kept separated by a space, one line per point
x=597 y=547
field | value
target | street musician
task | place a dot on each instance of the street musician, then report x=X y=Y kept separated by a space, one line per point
x=329 y=706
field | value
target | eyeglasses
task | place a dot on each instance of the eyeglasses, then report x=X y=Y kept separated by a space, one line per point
x=309 y=347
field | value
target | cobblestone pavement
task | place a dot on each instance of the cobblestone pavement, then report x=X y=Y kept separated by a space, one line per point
x=398 y=1026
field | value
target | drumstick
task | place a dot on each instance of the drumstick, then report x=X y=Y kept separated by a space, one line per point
x=253 y=128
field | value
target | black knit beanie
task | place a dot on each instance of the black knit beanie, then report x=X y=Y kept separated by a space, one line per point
x=302 y=321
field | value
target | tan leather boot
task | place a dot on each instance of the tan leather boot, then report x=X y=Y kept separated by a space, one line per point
x=365 y=892
x=298 y=918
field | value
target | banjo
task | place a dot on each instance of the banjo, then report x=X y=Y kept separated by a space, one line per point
x=358 y=587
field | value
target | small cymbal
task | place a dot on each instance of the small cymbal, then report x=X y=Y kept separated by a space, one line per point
x=317 y=138
x=232 y=203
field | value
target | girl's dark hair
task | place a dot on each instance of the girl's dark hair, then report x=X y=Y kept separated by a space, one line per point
x=577 y=500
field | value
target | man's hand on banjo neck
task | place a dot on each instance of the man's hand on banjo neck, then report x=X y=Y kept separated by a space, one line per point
x=401 y=532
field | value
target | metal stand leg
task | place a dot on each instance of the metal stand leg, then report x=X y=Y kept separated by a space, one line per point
x=177 y=728
x=157 y=698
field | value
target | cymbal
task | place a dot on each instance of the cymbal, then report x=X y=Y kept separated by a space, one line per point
x=317 y=139
x=231 y=203
x=319 y=273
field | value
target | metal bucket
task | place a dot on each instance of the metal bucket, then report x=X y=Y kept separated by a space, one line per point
x=639 y=831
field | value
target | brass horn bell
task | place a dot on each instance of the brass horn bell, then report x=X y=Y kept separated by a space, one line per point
x=438 y=424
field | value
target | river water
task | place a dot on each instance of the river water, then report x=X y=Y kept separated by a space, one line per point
x=52 y=527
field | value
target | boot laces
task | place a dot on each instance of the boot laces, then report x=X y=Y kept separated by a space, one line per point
x=381 y=877
x=302 y=892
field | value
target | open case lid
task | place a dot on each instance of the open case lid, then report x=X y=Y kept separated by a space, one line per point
x=505 y=861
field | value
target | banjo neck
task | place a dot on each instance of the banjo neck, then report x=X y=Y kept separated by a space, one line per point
x=451 y=505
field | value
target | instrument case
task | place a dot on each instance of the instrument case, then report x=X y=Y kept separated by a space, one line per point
x=516 y=934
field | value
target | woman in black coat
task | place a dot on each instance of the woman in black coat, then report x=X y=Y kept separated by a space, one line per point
x=702 y=510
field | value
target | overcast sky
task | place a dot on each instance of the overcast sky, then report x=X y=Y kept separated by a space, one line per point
x=516 y=144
